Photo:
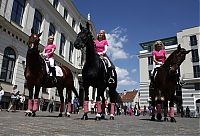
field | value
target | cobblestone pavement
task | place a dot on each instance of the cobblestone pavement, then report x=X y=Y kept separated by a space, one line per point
x=46 y=123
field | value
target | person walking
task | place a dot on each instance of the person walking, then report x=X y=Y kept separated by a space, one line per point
x=51 y=104
x=14 y=97
x=1 y=96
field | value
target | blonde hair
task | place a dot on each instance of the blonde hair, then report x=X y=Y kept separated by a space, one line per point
x=159 y=43
x=104 y=36
x=51 y=37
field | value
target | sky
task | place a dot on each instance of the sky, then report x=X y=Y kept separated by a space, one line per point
x=130 y=22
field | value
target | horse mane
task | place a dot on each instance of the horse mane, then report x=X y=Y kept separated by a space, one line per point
x=168 y=61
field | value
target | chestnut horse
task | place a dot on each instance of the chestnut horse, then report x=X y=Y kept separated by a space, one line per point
x=37 y=77
x=95 y=75
x=166 y=83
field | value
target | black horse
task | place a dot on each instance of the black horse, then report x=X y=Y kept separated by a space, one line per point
x=37 y=77
x=95 y=75
x=166 y=83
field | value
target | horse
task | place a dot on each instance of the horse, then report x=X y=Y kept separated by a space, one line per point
x=165 y=84
x=36 y=76
x=95 y=75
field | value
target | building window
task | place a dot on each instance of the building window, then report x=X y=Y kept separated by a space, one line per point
x=150 y=74
x=62 y=45
x=195 y=55
x=150 y=60
x=150 y=48
x=193 y=40
x=18 y=11
x=51 y=30
x=197 y=86
x=71 y=49
x=65 y=14
x=8 y=65
x=55 y=3
x=196 y=71
x=0 y=3
x=73 y=23
x=37 y=21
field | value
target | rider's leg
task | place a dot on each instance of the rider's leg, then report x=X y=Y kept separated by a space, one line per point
x=52 y=68
x=110 y=72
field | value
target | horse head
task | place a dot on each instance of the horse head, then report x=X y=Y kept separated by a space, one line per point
x=34 y=40
x=83 y=37
x=178 y=56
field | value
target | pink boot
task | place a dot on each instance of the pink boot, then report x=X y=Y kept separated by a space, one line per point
x=61 y=107
x=35 y=105
x=30 y=105
x=85 y=106
x=69 y=108
x=112 y=110
x=171 y=114
x=98 y=103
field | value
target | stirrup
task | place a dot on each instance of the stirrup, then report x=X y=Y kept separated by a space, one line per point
x=54 y=79
x=111 y=80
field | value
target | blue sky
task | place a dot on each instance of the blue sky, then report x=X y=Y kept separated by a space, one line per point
x=130 y=22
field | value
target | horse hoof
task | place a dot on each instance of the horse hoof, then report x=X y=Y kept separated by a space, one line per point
x=111 y=118
x=153 y=119
x=103 y=117
x=159 y=116
x=173 y=119
x=33 y=114
x=85 y=117
x=60 y=115
x=165 y=119
x=98 y=118
x=68 y=115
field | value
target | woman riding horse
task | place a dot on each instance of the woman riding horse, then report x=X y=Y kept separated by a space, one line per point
x=94 y=74
x=165 y=84
x=37 y=77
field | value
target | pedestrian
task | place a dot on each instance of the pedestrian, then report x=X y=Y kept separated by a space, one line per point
x=51 y=104
x=187 y=112
x=41 y=103
x=92 y=106
x=182 y=111
x=14 y=97
x=22 y=100
x=1 y=96
x=145 y=110
x=75 y=105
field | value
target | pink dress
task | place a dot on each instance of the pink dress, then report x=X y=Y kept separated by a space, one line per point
x=48 y=50
x=100 y=45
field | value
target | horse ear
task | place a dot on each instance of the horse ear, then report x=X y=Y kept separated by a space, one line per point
x=81 y=27
x=179 y=47
x=32 y=30
x=88 y=25
x=39 y=34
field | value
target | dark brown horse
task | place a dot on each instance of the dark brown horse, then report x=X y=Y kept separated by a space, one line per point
x=37 y=77
x=166 y=83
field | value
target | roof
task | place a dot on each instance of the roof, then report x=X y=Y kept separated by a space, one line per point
x=128 y=96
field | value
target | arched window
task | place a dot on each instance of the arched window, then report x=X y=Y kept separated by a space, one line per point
x=8 y=65
x=37 y=21
x=51 y=29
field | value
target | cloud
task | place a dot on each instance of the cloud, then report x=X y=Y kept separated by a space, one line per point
x=124 y=77
x=116 y=40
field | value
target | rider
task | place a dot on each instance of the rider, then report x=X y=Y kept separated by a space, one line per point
x=48 y=53
x=101 y=48
x=159 y=57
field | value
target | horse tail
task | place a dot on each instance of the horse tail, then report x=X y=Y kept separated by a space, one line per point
x=75 y=92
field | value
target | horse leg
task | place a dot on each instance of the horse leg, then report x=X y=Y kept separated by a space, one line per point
x=103 y=107
x=35 y=101
x=30 y=102
x=60 y=92
x=68 y=105
x=85 y=104
x=171 y=105
x=159 y=110
x=113 y=99
x=153 y=110
x=98 y=103
x=165 y=110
